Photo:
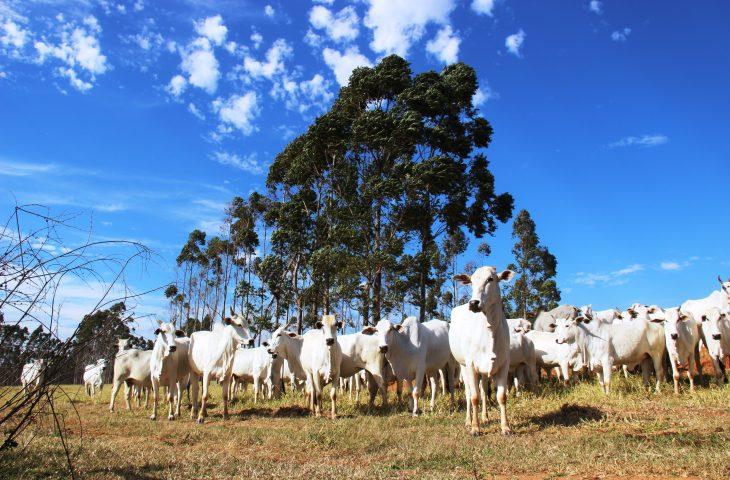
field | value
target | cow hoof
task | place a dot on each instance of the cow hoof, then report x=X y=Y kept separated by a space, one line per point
x=414 y=415
x=171 y=418
x=474 y=432
x=200 y=421
x=506 y=432
x=153 y=417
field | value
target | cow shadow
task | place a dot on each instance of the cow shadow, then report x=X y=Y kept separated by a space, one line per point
x=131 y=473
x=568 y=415
x=290 y=411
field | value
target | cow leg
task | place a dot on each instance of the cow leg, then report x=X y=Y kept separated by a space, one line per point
x=178 y=388
x=471 y=378
x=317 y=394
x=417 y=389
x=467 y=397
x=204 y=400
x=658 y=371
x=675 y=375
x=719 y=374
x=691 y=371
x=224 y=395
x=625 y=369
x=449 y=378
x=155 y=397
x=172 y=395
x=432 y=380
x=607 y=377
x=256 y=387
x=698 y=363
x=484 y=389
x=502 y=387
x=193 y=395
x=333 y=396
x=128 y=395
x=645 y=367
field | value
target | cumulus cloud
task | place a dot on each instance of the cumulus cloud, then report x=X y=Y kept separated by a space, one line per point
x=13 y=35
x=514 y=43
x=618 y=277
x=256 y=39
x=483 y=7
x=640 y=141
x=177 y=85
x=274 y=63
x=397 y=24
x=621 y=35
x=445 y=46
x=303 y=95
x=596 y=6
x=342 y=26
x=213 y=29
x=342 y=64
x=247 y=163
x=238 y=111
x=483 y=94
x=269 y=11
x=200 y=65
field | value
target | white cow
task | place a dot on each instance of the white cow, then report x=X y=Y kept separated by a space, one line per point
x=31 y=376
x=361 y=351
x=522 y=360
x=603 y=345
x=320 y=358
x=131 y=367
x=169 y=367
x=519 y=325
x=545 y=319
x=682 y=337
x=716 y=331
x=551 y=354
x=211 y=357
x=254 y=365
x=605 y=316
x=416 y=350
x=479 y=338
x=94 y=377
x=288 y=346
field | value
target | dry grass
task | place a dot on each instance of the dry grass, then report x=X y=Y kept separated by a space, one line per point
x=572 y=432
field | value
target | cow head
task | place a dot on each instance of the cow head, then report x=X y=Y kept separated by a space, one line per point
x=484 y=287
x=565 y=328
x=239 y=324
x=523 y=326
x=165 y=338
x=329 y=326
x=385 y=331
x=274 y=344
x=674 y=318
x=586 y=311
x=122 y=344
x=725 y=287
x=711 y=327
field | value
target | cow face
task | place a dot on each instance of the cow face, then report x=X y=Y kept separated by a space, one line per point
x=122 y=344
x=385 y=331
x=329 y=326
x=674 y=324
x=484 y=287
x=166 y=338
x=565 y=329
x=241 y=332
x=711 y=327
x=274 y=345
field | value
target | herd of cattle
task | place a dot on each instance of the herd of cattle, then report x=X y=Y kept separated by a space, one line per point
x=478 y=347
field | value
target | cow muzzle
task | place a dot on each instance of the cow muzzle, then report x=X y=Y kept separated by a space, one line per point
x=173 y=349
x=249 y=342
x=557 y=340
x=330 y=342
x=474 y=305
x=674 y=336
x=383 y=349
x=273 y=355
x=716 y=336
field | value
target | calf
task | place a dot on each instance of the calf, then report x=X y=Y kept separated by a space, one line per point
x=131 y=367
x=716 y=332
x=682 y=339
x=479 y=338
x=169 y=366
x=31 y=376
x=94 y=377
x=211 y=356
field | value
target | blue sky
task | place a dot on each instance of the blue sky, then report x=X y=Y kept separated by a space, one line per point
x=610 y=119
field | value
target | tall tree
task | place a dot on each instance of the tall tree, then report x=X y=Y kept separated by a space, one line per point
x=535 y=288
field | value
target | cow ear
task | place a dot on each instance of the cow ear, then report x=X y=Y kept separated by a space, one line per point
x=158 y=331
x=338 y=324
x=462 y=278
x=398 y=327
x=227 y=321
x=264 y=344
x=506 y=275
x=552 y=325
x=656 y=320
x=704 y=318
x=318 y=325
x=179 y=333
x=651 y=310
x=368 y=330
x=291 y=334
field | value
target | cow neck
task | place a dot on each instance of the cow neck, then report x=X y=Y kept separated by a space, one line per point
x=226 y=347
x=292 y=351
x=494 y=311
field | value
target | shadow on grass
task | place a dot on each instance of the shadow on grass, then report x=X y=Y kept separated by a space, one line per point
x=291 y=411
x=569 y=415
x=129 y=473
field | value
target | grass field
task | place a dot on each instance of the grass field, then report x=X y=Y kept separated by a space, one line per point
x=558 y=432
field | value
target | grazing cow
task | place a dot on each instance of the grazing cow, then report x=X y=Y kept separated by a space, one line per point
x=479 y=338
x=550 y=354
x=682 y=338
x=716 y=331
x=519 y=325
x=545 y=319
x=416 y=350
x=254 y=365
x=360 y=351
x=32 y=375
x=131 y=367
x=169 y=366
x=603 y=346
x=211 y=357
x=94 y=377
x=320 y=358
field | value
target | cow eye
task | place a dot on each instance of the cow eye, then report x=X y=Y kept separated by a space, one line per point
x=490 y=279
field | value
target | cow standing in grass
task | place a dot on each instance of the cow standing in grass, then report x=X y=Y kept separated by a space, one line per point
x=132 y=368
x=169 y=367
x=32 y=375
x=682 y=338
x=481 y=343
x=320 y=357
x=94 y=377
x=716 y=332
x=361 y=359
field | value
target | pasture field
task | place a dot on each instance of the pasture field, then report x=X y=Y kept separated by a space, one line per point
x=575 y=432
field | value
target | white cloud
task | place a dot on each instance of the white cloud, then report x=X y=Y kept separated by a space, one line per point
x=618 y=277
x=111 y=207
x=342 y=64
x=274 y=63
x=256 y=39
x=138 y=6
x=670 y=266
x=397 y=24
x=445 y=46
x=621 y=35
x=200 y=64
x=301 y=96
x=238 y=111
x=342 y=26
x=312 y=39
x=269 y=11
x=22 y=169
x=247 y=163
x=213 y=29
x=14 y=35
x=596 y=6
x=195 y=111
x=483 y=7
x=483 y=94
x=641 y=141
x=147 y=40
x=514 y=43
x=177 y=85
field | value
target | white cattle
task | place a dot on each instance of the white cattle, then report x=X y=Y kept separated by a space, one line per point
x=605 y=316
x=416 y=350
x=131 y=367
x=211 y=356
x=31 y=376
x=545 y=319
x=716 y=331
x=479 y=338
x=320 y=358
x=519 y=325
x=169 y=367
x=682 y=337
x=551 y=354
x=522 y=360
x=361 y=351
x=254 y=365
x=94 y=377
x=603 y=345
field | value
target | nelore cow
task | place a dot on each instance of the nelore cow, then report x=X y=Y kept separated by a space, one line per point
x=320 y=358
x=254 y=365
x=94 y=377
x=544 y=322
x=716 y=332
x=363 y=360
x=31 y=376
x=682 y=333
x=132 y=368
x=479 y=338
x=169 y=367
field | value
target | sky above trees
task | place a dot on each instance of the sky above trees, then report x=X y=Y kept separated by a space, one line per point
x=609 y=119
